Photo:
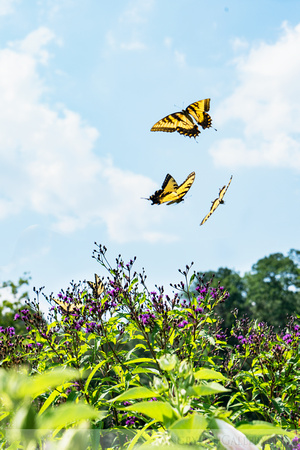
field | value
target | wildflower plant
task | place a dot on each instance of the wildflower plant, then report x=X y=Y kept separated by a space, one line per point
x=146 y=358
x=263 y=367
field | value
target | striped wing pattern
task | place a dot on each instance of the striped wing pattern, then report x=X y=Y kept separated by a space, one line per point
x=180 y=122
x=183 y=188
x=97 y=286
x=217 y=201
x=171 y=192
x=67 y=307
x=183 y=121
x=198 y=111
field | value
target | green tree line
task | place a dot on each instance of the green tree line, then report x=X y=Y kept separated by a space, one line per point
x=269 y=292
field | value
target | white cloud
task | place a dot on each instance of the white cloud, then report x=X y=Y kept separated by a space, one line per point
x=7 y=6
x=47 y=162
x=116 y=43
x=132 y=45
x=51 y=8
x=180 y=58
x=168 y=42
x=264 y=107
x=137 y=11
x=127 y=32
x=33 y=44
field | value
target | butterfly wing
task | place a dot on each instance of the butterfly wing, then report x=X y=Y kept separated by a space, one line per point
x=217 y=201
x=223 y=191
x=198 y=111
x=183 y=189
x=179 y=121
x=98 y=287
x=213 y=207
x=169 y=184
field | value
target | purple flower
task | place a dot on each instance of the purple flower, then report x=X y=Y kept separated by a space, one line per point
x=182 y=324
x=130 y=420
x=213 y=293
x=10 y=331
x=146 y=318
x=90 y=327
x=2 y=330
x=287 y=338
x=242 y=339
x=17 y=316
x=221 y=336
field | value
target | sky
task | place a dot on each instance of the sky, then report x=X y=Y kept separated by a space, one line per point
x=82 y=83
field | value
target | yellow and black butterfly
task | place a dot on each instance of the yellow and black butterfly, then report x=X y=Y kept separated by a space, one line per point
x=183 y=121
x=170 y=191
x=98 y=287
x=217 y=201
x=68 y=307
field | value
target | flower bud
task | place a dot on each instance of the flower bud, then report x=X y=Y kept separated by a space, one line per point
x=168 y=362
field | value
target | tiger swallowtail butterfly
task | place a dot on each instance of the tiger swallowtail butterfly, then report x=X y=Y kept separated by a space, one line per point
x=217 y=201
x=184 y=121
x=170 y=192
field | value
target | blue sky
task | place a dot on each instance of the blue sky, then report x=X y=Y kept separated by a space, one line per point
x=81 y=84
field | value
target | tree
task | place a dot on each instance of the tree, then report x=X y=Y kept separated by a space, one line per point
x=9 y=308
x=234 y=284
x=272 y=288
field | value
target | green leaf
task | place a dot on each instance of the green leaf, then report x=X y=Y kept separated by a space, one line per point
x=49 y=400
x=138 y=360
x=91 y=375
x=38 y=384
x=131 y=394
x=206 y=389
x=75 y=439
x=188 y=429
x=260 y=428
x=66 y=414
x=208 y=374
x=160 y=411
x=141 y=433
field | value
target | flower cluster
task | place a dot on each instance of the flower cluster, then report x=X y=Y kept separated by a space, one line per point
x=9 y=331
x=146 y=318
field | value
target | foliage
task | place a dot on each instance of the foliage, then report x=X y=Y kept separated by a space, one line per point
x=25 y=426
x=273 y=288
x=269 y=292
x=152 y=369
x=10 y=307
x=235 y=284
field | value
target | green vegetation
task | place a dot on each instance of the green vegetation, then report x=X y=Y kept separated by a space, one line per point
x=137 y=368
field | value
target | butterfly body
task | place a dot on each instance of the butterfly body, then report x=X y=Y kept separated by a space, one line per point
x=184 y=121
x=170 y=192
x=218 y=201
